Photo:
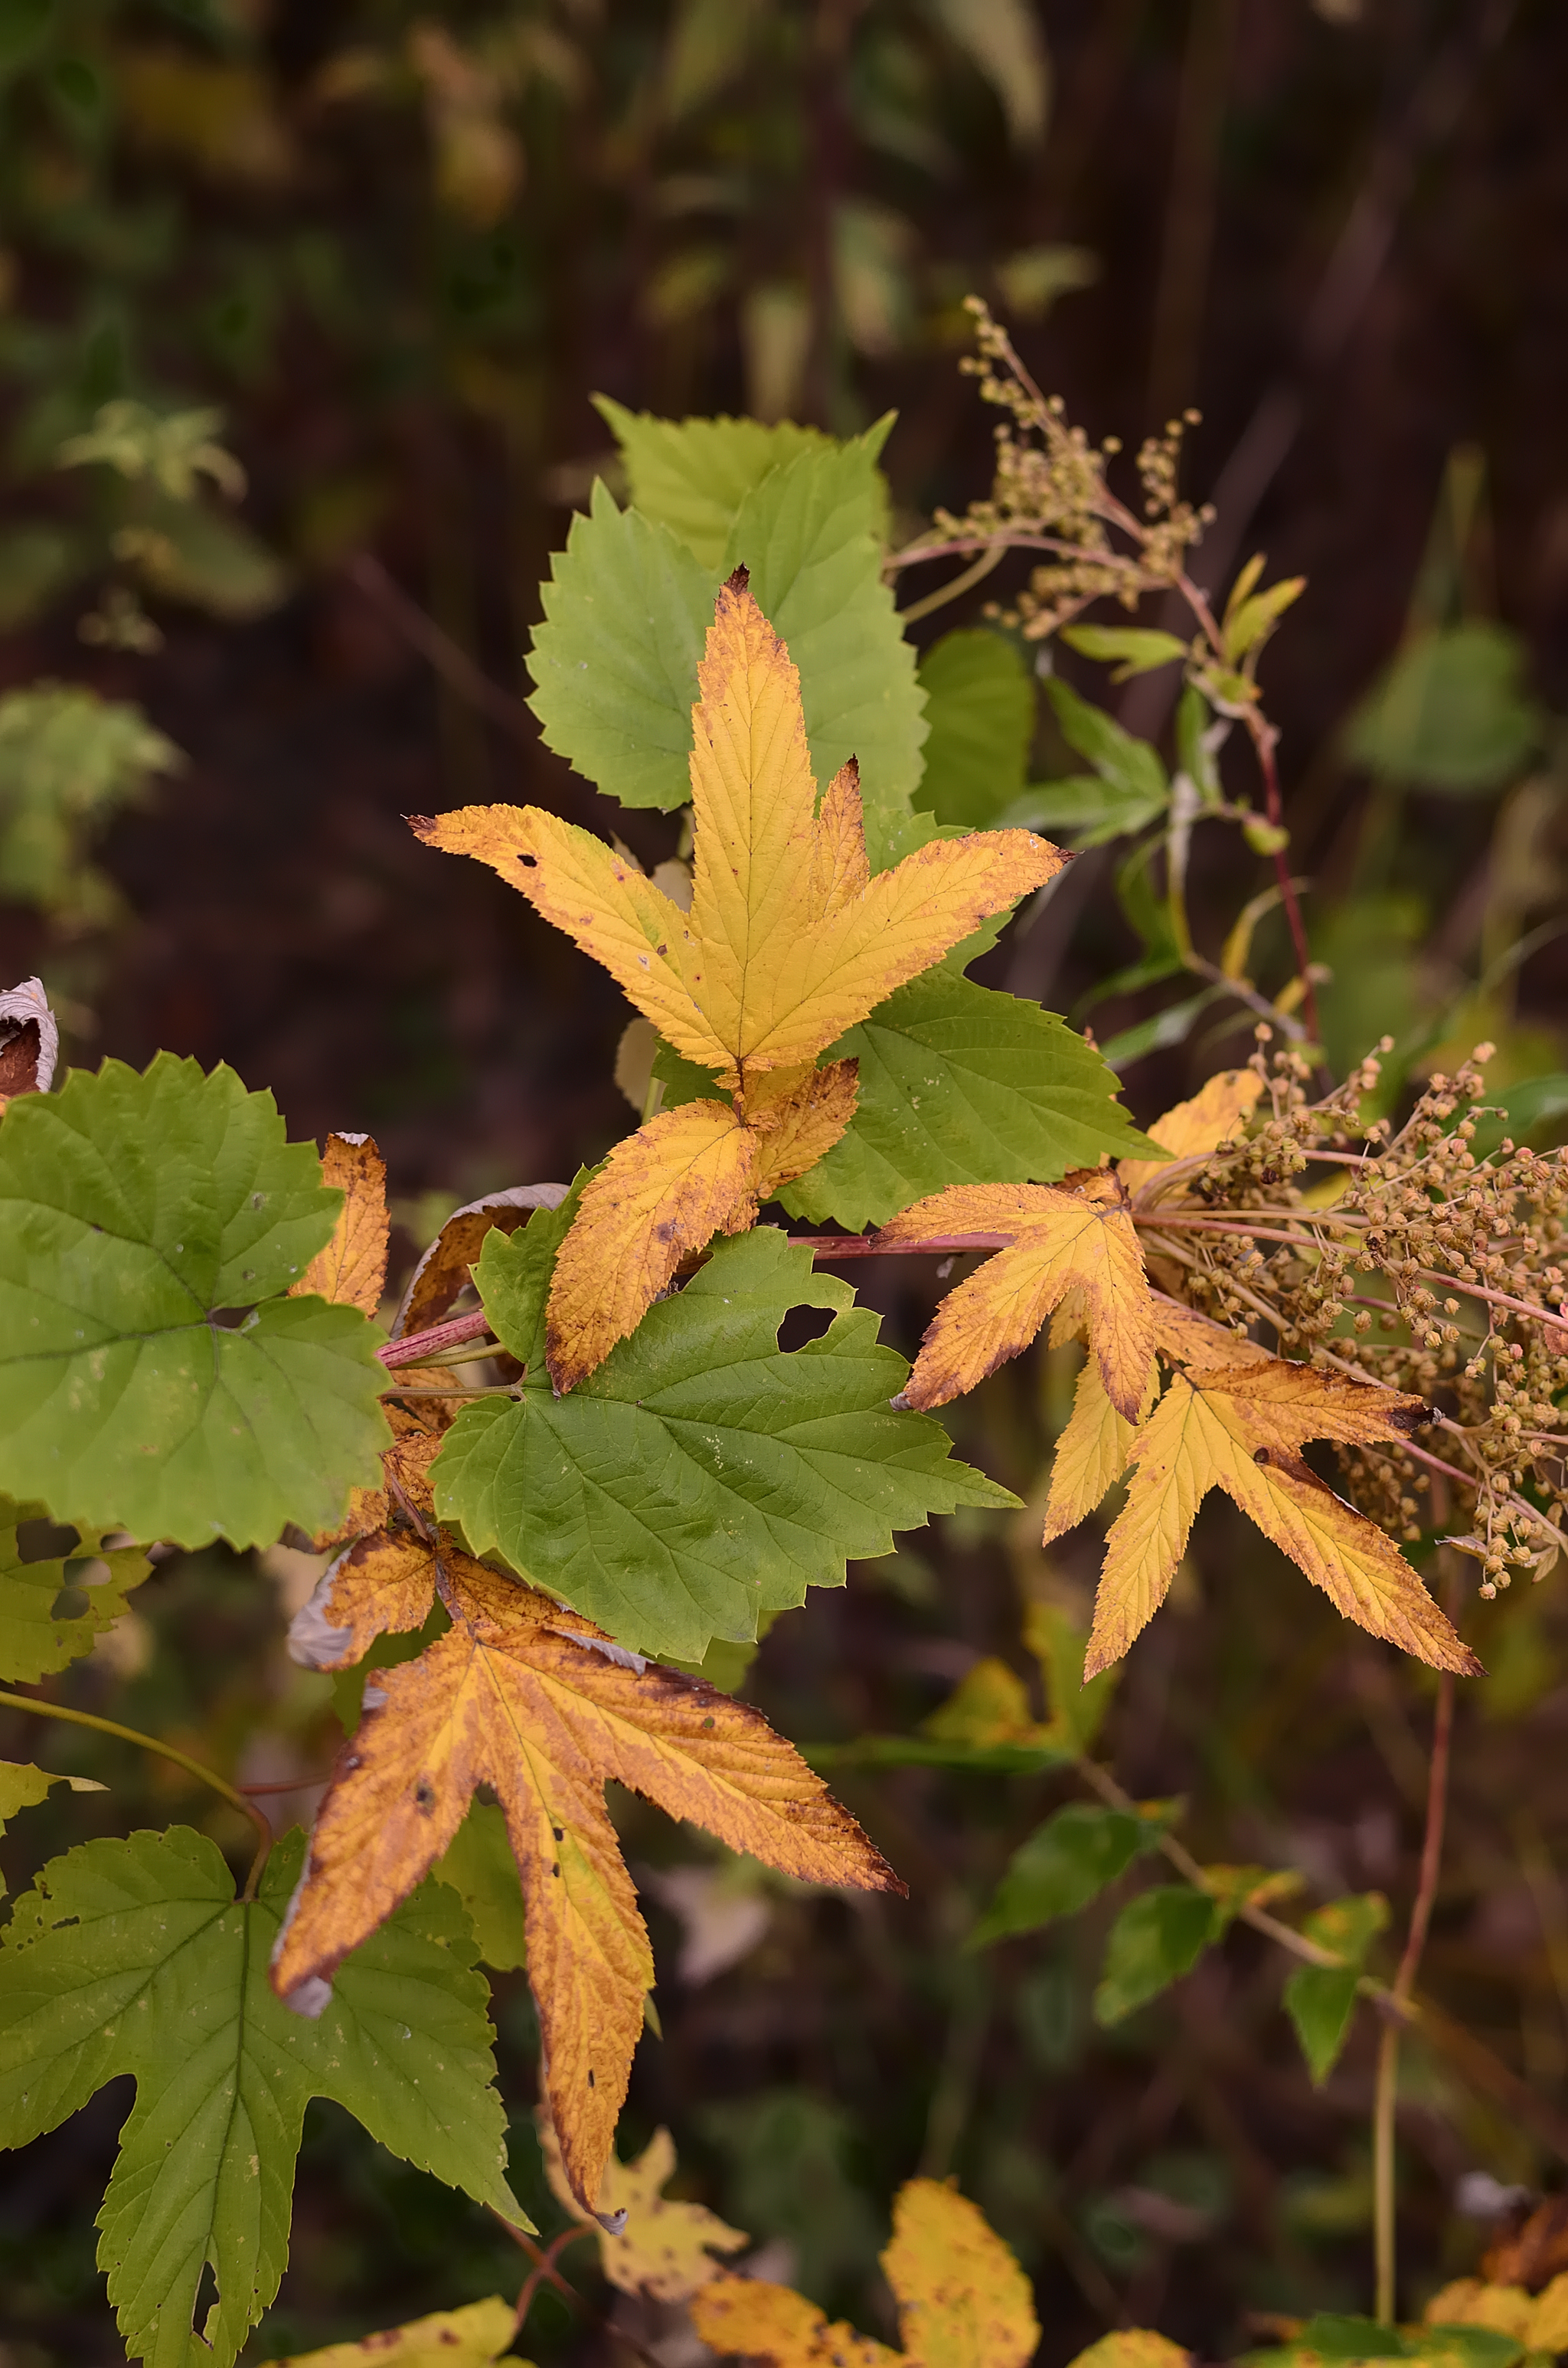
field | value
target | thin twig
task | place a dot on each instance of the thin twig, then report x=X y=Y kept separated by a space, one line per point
x=164 y=1751
x=1387 y=2094
x=956 y=590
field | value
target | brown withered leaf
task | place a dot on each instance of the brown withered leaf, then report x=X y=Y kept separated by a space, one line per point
x=352 y=1269
x=405 y=1464
x=1076 y=1237
x=1241 y=1426
x=30 y=1040
x=1535 y=2252
x=649 y=2243
x=788 y=941
x=443 y=1271
x=534 y=1701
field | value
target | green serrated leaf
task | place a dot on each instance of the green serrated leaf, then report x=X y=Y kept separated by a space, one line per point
x=136 y=1957
x=627 y=607
x=1065 y=1863
x=693 y=474
x=139 y=1216
x=810 y=534
x=26 y=1787
x=1247 y=624
x=614 y=664
x=1082 y=811
x=1139 y=649
x=38 y=1631
x=702 y=1476
x=960 y=1084
x=979 y=706
x=1158 y=1937
x=1321 y=2000
x=479 y=1865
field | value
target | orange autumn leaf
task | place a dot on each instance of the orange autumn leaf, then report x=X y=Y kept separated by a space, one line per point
x=962 y=2300
x=796 y=1125
x=788 y=941
x=352 y=1269
x=532 y=1700
x=1056 y=1240
x=1213 y=1117
x=444 y=1268
x=1240 y=1427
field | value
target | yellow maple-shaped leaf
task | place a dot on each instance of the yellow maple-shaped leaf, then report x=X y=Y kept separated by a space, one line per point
x=649 y=2243
x=1092 y=1452
x=1215 y=1116
x=352 y=1269
x=788 y=941
x=1055 y=1239
x=470 y=2338
x=795 y=1120
x=1240 y=1427
x=962 y=2300
x=1184 y=1338
x=529 y=1698
x=1133 y=2347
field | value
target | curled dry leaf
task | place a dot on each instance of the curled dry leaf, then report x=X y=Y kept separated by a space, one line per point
x=30 y=1040
x=443 y=1271
x=962 y=2300
x=1213 y=1117
x=352 y=1270
x=788 y=942
x=534 y=1701
x=649 y=2244
x=1240 y=1427
x=1074 y=1237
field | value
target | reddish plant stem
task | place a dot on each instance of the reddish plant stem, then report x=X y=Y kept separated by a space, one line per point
x=544 y=2266
x=423 y=1348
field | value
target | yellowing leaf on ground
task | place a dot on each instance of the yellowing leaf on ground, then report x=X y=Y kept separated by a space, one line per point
x=962 y=2300
x=1216 y=1115
x=532 y=1700
x=1057 y=1239
x=471 y=2338
x=654 y=2245
x=1240 y=1428
x=352 y=1269
x=788 y=942
x=1092 y=1452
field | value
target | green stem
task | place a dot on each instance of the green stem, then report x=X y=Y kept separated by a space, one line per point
x=164 y=1751
x=955 y=590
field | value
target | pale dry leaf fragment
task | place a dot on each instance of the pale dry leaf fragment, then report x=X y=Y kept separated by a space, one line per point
x=1057 y=1240
x=1240 y=1428
x=655 y=2245
x=1213 y=1117
x=1092 y=1452
x=30 y=1040
x=443 y=1271
x=668 y=1189
x=352 y=1267
x=517 y=1696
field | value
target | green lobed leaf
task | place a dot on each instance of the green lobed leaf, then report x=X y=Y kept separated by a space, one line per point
x=25 y=1787
x=1083 y=809
x=810 y=535
x=39 y=1633
x=135 y=1213
x=702 y=1476
x=1321 y=2000
x=136 y=1957
x=960 y=1084
x=1158 y=1937
x=979 y=706
x=628 y=606
x=693 y=474
x=1129 y=766
x=479 y=1866
x=1069 y=1860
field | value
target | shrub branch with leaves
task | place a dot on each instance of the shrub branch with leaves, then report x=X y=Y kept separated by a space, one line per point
x=191 y=1349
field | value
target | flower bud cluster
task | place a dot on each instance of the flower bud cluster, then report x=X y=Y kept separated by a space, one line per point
x=1426 y=1268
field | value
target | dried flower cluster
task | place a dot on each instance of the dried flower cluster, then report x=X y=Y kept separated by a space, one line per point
x=1429 y=1270
x=1050 y=493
